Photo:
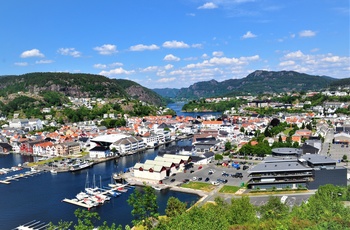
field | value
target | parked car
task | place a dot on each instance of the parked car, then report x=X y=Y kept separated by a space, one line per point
x=172 y=180
x=186 y=180
x=174 y=174
x=192 y=171
x=225 y=174
x=206 y=179
x=200 y=178
x=194 y=178
x=245 y=167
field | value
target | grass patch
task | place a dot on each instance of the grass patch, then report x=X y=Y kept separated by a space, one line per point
x=199 y=186
x=229 y=189
x=270 y=192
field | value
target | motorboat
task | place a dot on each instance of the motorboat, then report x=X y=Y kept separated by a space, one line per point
x=80 y=166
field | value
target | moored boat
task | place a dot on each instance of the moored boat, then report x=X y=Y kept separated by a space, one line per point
x=80 y=166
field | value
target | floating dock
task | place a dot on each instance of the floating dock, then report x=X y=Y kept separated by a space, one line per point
x=16 y=177
x=79 y=203
x=32 y=225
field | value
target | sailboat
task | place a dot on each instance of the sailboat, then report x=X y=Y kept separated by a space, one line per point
x=113 y=184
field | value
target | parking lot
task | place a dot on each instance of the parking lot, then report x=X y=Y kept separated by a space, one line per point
x=201 y=172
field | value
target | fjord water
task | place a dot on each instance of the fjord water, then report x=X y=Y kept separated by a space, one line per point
x=39 y=197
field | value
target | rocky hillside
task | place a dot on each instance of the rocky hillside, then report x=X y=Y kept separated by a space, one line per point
x=257 y=82
x=77 y=85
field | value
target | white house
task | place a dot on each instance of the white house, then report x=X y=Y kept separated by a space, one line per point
x=18 y=123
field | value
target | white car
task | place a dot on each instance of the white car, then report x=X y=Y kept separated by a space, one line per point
x=284 y=199
x=194 y=178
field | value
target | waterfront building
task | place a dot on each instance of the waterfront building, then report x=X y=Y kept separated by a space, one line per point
x=99 y=152
x=287 y=168
x=68 y=148
x=161 y=167
x=44 y=149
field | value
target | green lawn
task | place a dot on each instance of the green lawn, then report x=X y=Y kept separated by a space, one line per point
x=199 y=186
x=229 y=189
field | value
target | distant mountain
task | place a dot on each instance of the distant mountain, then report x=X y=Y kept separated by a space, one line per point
x=77 y=85
x=257 y=82
x=167 y=92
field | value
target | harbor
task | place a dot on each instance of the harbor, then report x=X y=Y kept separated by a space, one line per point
x=42 y=192
x=16 y=177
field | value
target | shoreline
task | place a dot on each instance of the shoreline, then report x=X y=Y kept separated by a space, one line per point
x=95 y=161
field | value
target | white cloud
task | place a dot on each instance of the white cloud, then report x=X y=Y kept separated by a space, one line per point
x=32 y=53
x=307 y=33
x=21 y=63
x=218 y=53
x=100 y=66
x=197 y=46
x=150 y=69
x=317 y=64
x=205 y=56
x=115 y=64
x=208 y=5
x=191 y=14
x=44 y=62
x=171 y=57
x=165 y=80
x=69 y=52
x=168 y=66
x=104 y=66
x=141 y=47
x=296 y=54
x=106 y=49
x=175 y=44
x=249 y=34
x=116 y=71
x=287 y=63
x=161 y=73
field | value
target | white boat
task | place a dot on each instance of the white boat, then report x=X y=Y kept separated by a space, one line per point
x=121 y=189
x=80 y=166
x=157 y=187
x=114 y=193
x=53 y=171
x=82 y=196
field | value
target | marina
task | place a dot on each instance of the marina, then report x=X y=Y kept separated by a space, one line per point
x=16 y=177
x=49 y=190
x=95 y=196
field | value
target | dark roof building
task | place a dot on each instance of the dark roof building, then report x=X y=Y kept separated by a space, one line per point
x=295 y=171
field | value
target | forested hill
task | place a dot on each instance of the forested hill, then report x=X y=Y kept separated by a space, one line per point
x=345 y=82
x=77 y=85
x=257 y=82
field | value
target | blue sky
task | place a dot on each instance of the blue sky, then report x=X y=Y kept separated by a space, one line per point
x=175 y=43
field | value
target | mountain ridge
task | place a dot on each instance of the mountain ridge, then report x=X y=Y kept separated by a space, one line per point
x=257 y=82
x=77 y=85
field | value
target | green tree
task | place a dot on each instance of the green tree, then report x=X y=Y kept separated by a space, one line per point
x=218 y=157
x=345 y=158
x=145 y=207
x=228 y=145
x=273 y=209
x=174 y=207
x=85 y=219
x=240 y=206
